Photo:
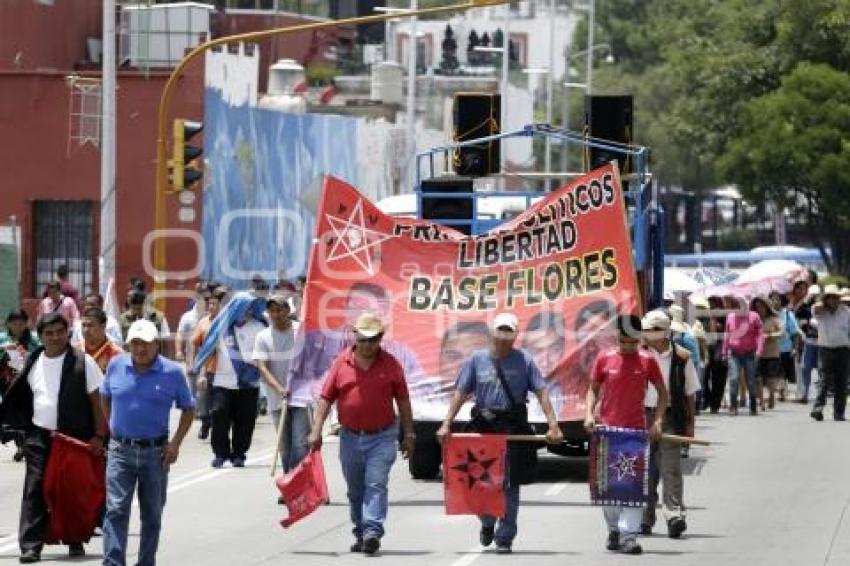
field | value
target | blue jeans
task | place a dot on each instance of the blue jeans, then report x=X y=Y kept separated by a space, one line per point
x=748 y=362
x=293 y=443
x=366 y=461
x=125 y=467
x=810 y=362
x=506 y=527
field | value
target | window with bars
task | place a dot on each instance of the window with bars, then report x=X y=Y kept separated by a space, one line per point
x=63 y=234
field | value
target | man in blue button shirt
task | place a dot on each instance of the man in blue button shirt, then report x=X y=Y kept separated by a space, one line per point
x=138 y=392
x=480 y=380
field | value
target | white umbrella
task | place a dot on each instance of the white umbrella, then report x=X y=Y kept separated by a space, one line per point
x=771 y=269
x=677 y=281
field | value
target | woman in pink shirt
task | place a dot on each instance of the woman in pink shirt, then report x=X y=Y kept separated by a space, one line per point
x=740 y=344
x=59 y=303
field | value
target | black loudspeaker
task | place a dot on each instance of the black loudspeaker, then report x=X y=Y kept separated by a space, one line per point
x=609 y=118
x=477 y=115
x=449 y=208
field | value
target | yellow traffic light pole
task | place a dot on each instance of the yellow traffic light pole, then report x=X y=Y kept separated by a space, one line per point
x=159 y=259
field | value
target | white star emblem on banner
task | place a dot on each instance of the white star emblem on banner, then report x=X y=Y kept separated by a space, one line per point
x=353 y=239
x=624 y=466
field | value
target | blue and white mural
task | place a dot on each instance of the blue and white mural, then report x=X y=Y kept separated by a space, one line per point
x=264 y=169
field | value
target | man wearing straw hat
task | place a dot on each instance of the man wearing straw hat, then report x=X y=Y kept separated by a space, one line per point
x=833 y=320
x=500 y=379
x=364 y=381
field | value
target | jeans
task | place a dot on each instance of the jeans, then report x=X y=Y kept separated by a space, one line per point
x=625 y=520
x=293 y=443
x=125 y=467
x=506 y=528
x=366 y=461
x=748 y=363
x=809 y=363
x=834 y=365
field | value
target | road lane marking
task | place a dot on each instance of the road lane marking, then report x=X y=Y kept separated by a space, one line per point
x=470 y=556
x=555 y=489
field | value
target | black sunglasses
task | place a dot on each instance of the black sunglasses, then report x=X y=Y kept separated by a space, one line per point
x=372 y=340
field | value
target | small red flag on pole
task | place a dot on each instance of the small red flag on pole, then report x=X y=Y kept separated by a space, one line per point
x=474 y=474
x=303 y=489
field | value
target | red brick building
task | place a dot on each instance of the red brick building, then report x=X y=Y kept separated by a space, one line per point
x=51 y=181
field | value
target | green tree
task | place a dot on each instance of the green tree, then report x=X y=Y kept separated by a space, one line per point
x=793 y=144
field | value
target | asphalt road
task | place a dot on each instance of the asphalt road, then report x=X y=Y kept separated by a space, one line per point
x=775 y=490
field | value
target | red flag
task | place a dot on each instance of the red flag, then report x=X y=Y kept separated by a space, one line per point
x=474 y=474
x=303 y=489
x=74 y=491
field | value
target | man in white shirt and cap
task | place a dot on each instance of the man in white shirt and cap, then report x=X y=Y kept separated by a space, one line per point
x=680 y=378
x=833 y=322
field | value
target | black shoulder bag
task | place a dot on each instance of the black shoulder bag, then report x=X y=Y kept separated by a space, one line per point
x=522 y=456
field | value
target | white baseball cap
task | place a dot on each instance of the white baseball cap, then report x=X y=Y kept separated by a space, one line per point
x=506 y=319
x=369 y=325
x=143 y=330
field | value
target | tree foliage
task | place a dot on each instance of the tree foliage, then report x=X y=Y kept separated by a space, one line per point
x=753 y=93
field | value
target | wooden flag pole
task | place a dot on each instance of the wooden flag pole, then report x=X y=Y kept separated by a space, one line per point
x=684 y=440
x=542 y=438
x=281 y=425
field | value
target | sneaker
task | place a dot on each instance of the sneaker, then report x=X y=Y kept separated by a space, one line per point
x=30 y=556
x=357 y=546
x=371 y=545
x=646 y=530
x=485 y=537
x=613 y=543
x=503 y=548
x=631 y=546
x=817 y=415
x=238 y=462
x=76 y=550
x=675 y=527
x=218 y=462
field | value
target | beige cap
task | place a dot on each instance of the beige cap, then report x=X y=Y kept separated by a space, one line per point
x=369 y=325
x=143 y=330
x=506 y=319
x=656 y=320
x=831 y=290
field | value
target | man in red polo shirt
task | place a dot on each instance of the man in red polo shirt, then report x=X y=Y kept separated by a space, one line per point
x=363 y=381
x=622 y=377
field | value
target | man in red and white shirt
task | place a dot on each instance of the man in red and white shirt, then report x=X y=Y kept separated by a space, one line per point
x=364 y=381
x=622 y=376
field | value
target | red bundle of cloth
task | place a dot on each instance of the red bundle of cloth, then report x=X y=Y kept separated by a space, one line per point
x=74 y=490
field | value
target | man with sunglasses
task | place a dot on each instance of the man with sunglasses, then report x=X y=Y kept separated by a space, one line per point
x=364 y=381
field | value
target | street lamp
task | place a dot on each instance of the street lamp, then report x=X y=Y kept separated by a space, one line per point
x=161 y=184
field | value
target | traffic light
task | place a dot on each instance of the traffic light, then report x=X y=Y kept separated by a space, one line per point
x=184 y=173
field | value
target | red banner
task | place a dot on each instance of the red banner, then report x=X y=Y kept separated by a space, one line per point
x=564 y=267
x=74 y=490
x=303 y=489
x=474 y=474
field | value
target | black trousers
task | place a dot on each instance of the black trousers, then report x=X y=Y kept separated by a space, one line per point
x=33 y=524
x=234 y=409
x=715 y=384
x=833 y=367
x=789 y=367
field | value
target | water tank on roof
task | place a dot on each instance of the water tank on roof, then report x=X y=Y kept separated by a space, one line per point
x=286 y=81
x=387 y=82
